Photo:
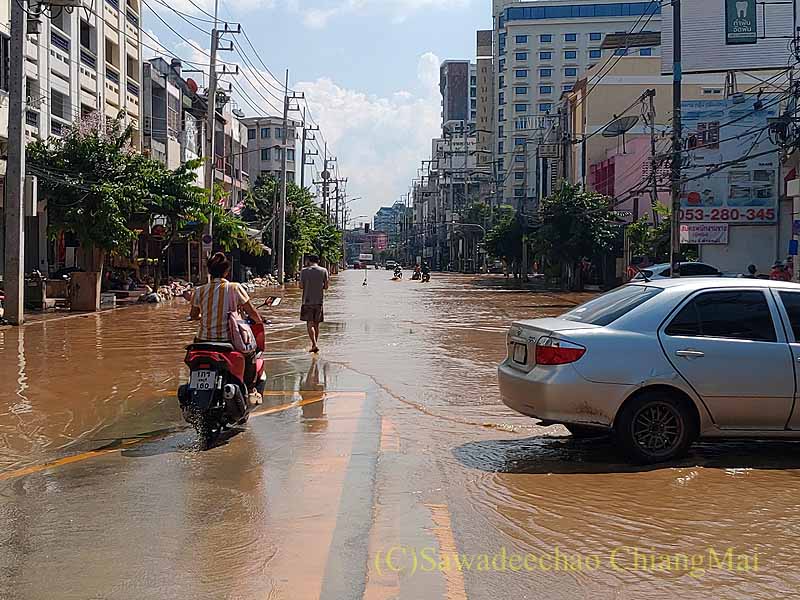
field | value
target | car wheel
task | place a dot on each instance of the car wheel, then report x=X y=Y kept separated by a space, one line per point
x=581 y=432
x=655 y=427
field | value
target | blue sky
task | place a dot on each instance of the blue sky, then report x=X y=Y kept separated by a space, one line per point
x=369 y=69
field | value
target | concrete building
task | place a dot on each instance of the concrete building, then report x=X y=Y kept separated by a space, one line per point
x=230 y=150
x=458 y=84
x=485 y=99
x=541 y=49
x=84 y=64
x=265 y=147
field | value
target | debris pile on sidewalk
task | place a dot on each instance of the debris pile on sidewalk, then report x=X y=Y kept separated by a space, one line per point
x=173 y=289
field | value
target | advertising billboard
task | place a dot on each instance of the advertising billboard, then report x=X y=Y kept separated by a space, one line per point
x=726 y=35
x=718 y=132
x=741 y=26
x=704 y=233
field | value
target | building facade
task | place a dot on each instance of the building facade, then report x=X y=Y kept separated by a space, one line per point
x=541 y=49
x=458 y=84
x=485 y=98
x=265 y=147
x=82 y=65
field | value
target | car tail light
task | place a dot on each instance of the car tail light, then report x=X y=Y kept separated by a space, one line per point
x=552 y=351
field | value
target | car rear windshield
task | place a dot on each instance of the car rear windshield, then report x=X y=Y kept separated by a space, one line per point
x=611 y=306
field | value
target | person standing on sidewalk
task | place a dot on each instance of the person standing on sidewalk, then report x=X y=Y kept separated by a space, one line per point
x=313 y=281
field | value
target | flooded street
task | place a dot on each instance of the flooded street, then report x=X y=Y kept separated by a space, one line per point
x=385 y=468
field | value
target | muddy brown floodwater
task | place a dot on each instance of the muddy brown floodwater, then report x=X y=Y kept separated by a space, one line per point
x=386 y=468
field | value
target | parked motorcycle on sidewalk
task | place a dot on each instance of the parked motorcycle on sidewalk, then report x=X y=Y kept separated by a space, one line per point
x=217 y=396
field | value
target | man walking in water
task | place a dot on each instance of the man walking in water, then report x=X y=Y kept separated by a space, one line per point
x=313 y=282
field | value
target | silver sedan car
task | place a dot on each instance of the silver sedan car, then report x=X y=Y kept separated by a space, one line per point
x=660 y=363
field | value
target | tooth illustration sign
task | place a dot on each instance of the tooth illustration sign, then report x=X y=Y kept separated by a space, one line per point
x=741 y=22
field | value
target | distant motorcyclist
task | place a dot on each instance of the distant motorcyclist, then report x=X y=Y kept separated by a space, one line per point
x=398 y=272
x=426 y=272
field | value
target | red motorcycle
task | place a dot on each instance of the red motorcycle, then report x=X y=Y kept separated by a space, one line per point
x=217 y=396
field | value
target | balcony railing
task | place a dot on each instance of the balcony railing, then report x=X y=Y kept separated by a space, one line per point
x=133 y=19
x=112 y=76
x=88 y=59
x=114 y=3
x=133 y=88
x=59 y=41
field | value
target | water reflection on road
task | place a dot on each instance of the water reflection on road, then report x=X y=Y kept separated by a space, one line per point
x=407 y=371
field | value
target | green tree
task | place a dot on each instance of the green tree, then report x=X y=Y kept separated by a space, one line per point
x=308 y=230
x=504 y=239
x=652 y=240
x=574 y=224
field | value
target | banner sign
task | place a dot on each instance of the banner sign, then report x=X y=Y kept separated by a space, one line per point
x=704 y=233
x=741 y=24
x=731 y=133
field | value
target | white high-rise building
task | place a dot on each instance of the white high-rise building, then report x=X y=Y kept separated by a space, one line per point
x=541 y=48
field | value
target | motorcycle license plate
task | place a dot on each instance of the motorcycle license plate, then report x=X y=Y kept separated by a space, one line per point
x=202 y=380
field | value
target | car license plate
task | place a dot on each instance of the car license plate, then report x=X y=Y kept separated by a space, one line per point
x=202 y=380
x=520 y=353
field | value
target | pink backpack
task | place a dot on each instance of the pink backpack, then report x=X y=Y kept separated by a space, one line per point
x=239 y=331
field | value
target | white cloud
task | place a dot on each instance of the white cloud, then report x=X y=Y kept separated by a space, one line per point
x=315 y=17
x=379 y=142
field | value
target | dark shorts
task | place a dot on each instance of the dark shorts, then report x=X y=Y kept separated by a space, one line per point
x=312 y=313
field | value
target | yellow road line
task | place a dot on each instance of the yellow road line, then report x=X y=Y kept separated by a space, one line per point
x=443 y=530
x=125 y=444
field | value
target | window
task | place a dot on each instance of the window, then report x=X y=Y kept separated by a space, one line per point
x=545 y=72
x=519 y=141
x=595 y=37
x=264 y=132
x=502 y=81
x=708 y=91
x=545 y=56
x=251 y=134
x=698 y=270
x=519 y=192
x=522 y=90
x=570 y=72
x=290 y=154
x=609 y=307
x=791 y=302
x=501 y=147
x=265 y=154
x=519 y=124
x=595 y=53
x=473 y=80
x=521 y=56
x=545 y=89
x=501 y=98
x=501 y=131
x=579 y=10
x=520 y=108
x=473 y=103
x=620 y=52
x=502 y=64
x=521 y=39
x=545 y=106
x=518 y=175
x=520 y=72
x=501 y=114
x=570 y=54
x=519 y=158
x=546 y=38
x=5 y=50
x=567 y=87
x=646 y=52
x=738 y=315
x=279 y=133
x=570 y=37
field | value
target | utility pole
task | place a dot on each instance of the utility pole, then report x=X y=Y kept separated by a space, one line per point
x=211 y=123
x=677 y=146
x=287 y=98
x=651 y=94
x=14 y=268
x=303 y=153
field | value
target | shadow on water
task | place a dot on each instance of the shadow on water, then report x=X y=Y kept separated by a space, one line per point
x=566 y=455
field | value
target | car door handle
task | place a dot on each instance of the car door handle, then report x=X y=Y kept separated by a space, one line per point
x=690 y=353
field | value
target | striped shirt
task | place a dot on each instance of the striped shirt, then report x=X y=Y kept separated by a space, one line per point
x=213 y=302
